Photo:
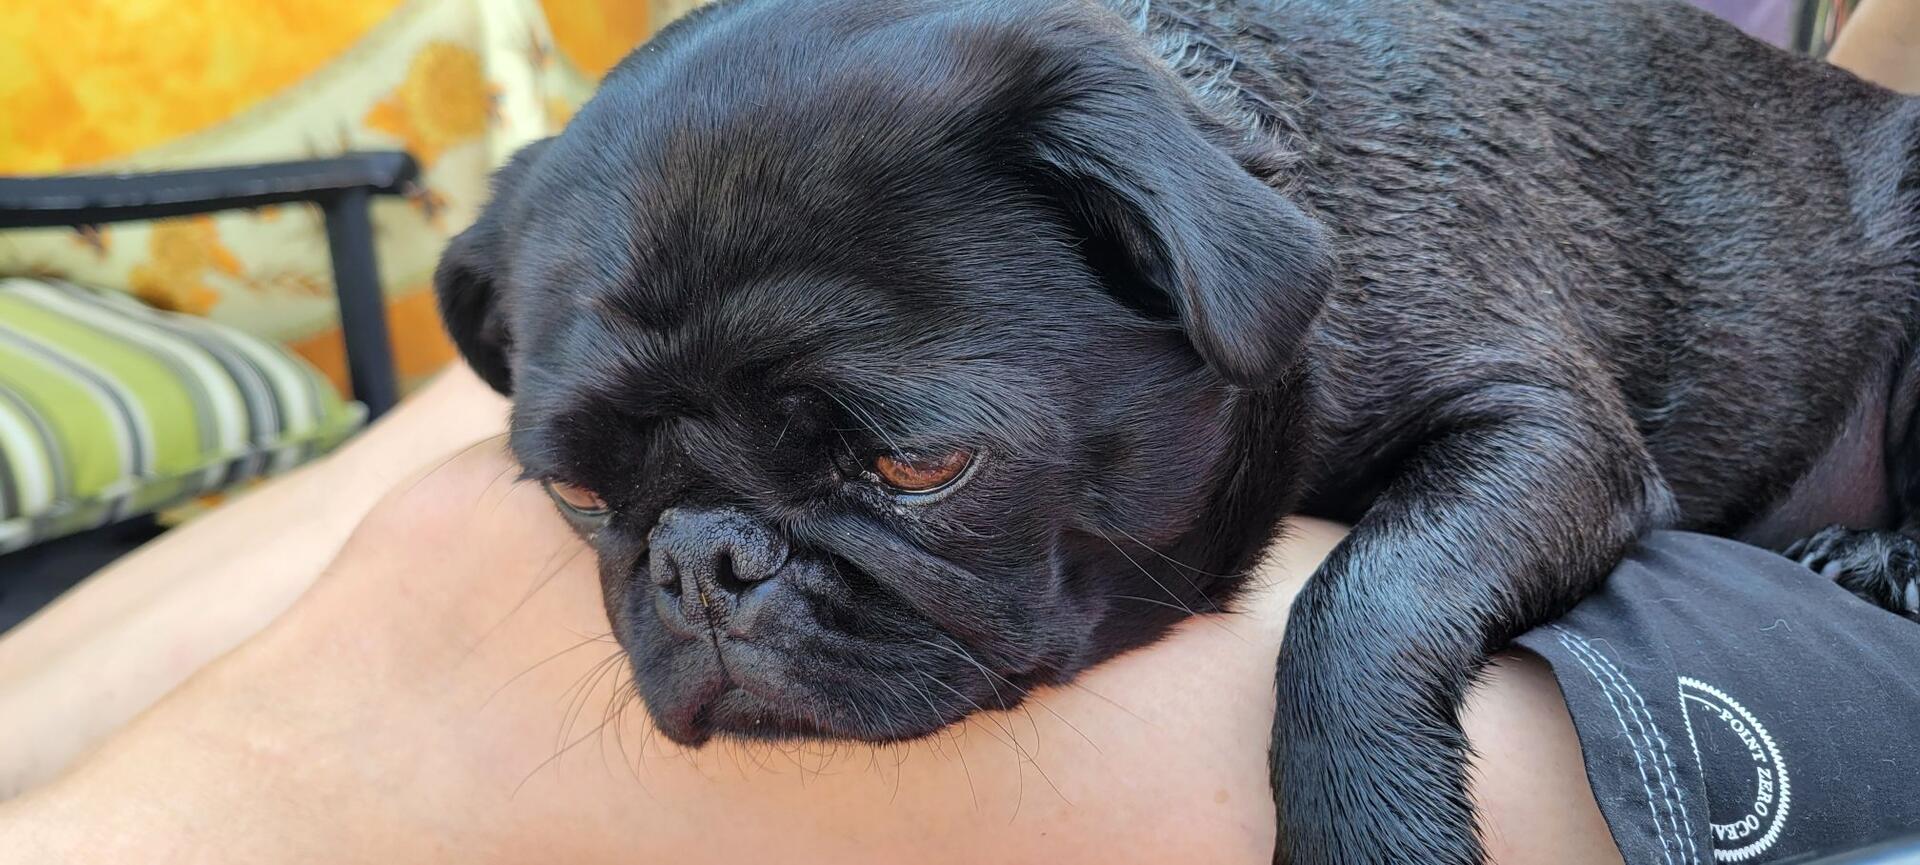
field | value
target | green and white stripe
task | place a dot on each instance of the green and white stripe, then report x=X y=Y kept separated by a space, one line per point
x=109 y=408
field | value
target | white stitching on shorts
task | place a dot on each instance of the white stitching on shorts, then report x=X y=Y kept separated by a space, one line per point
x=1671 y=794
x=1672 y=774
x=1639 y=760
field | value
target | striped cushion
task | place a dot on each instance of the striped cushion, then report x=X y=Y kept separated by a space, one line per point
x=111 y=409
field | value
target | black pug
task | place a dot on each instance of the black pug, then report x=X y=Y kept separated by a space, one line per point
x=898 y=356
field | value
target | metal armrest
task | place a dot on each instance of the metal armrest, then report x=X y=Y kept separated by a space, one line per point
x=342 y=186
x=94 y=199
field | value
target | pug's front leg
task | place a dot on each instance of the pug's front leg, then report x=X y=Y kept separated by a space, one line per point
x=1492 y=529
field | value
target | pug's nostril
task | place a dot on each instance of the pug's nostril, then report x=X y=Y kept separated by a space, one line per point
x=706 y=564
x=727 y=578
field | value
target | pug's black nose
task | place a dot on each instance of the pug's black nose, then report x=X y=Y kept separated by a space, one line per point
x=705 y=562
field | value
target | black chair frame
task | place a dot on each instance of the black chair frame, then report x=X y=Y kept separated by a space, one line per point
x=343 y=187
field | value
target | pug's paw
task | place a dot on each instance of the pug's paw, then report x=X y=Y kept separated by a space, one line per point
x=1881 y=567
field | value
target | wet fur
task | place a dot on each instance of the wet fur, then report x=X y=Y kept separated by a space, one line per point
x=1573 y=270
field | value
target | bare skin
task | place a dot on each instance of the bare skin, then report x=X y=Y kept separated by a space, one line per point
x=107 y=650
x=1881 y=43
x=405 y=709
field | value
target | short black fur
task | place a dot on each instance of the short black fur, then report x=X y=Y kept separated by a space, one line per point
x=1504 y=283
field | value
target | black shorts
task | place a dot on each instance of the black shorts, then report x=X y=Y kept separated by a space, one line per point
x=1733 y=706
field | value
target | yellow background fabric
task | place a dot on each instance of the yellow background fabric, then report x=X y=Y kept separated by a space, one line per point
x=103 y=85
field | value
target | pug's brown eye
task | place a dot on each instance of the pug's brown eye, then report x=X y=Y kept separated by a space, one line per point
x=577 y=499
x=921 y=473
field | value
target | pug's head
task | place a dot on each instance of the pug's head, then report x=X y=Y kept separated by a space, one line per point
x=894 y=357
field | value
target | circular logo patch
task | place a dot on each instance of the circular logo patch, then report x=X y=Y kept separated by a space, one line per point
x=1730 y=745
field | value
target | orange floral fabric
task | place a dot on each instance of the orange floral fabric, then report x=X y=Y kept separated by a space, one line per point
x=180 y=253
x=444 y=102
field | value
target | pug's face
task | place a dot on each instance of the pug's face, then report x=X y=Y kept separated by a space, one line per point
x=888 y=384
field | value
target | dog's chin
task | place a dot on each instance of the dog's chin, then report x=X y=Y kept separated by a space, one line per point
x=733 y=712
x=707 y=700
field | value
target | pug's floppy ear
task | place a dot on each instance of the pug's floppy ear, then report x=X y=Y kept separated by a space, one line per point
x=473 y=273
x=1184 y=228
